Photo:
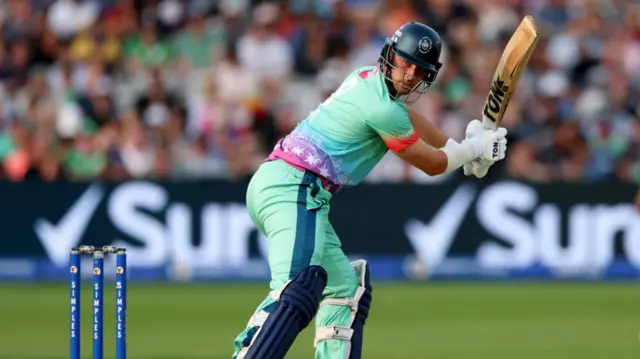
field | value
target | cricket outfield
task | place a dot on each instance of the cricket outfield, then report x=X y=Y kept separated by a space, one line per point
x=430 y=320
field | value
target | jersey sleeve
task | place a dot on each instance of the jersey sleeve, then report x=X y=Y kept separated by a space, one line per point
x=391 y=122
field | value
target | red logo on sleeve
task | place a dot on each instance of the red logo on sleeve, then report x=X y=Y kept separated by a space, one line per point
x=366 y=74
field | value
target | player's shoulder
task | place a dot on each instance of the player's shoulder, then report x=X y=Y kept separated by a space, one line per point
x=366 y=72
x=372 y=78
x=374 y=96
x=369 y=76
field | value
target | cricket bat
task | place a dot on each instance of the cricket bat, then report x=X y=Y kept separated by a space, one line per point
x=505 y=79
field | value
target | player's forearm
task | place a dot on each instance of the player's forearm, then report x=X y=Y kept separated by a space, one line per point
x=428 y=132
x=436 y=162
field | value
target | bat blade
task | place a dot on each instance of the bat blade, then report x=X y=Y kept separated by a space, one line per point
x=512 y=63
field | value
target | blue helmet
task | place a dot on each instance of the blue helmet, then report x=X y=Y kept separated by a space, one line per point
x=418 y=44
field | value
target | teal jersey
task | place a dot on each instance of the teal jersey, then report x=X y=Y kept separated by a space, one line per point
x=349 y=133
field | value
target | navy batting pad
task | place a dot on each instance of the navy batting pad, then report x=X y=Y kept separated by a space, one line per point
x=296 y=308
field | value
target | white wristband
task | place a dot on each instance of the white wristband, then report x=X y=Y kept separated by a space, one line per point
x=451 y=143
x=458 y=154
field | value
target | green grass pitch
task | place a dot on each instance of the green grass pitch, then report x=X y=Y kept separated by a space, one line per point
x=430 y=320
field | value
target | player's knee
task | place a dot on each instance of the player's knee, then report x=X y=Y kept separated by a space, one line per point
x=304 y=291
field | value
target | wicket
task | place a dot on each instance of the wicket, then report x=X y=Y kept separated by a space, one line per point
x=98 y=293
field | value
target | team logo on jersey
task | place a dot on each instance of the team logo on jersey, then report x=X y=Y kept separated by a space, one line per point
x=424 y=45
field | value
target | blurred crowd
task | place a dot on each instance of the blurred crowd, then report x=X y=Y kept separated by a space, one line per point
x=193 y=89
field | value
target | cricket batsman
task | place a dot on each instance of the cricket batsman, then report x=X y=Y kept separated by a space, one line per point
x=338 y=144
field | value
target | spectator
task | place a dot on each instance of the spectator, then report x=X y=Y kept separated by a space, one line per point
x=67 y=17
x=200 y=43
x=266 y=55
x=147 y=50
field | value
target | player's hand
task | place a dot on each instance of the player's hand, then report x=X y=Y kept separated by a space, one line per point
x=474 y=128
x=478 y=167
x=490 y=146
